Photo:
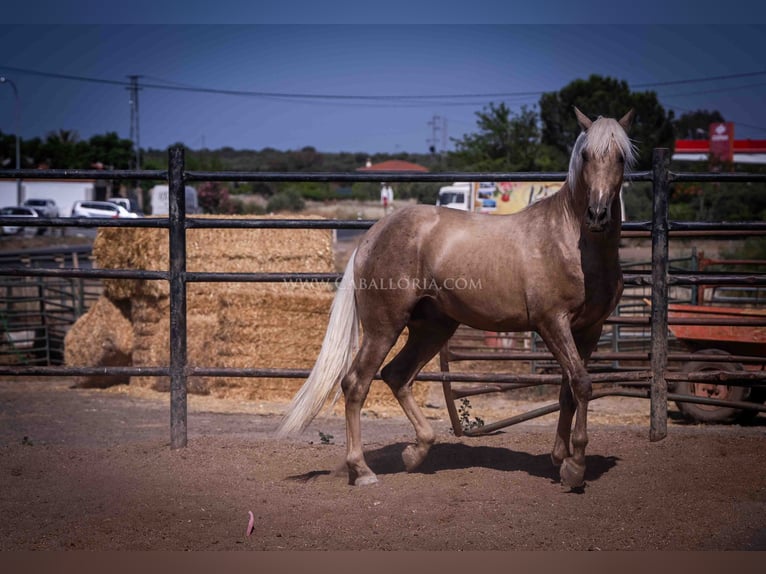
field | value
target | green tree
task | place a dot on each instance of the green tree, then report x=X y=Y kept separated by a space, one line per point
x=505 y=141
x=652 y=126
x=110 y=150
x=63 y=149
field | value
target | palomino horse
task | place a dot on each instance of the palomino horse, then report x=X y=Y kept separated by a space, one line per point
x=552 y=268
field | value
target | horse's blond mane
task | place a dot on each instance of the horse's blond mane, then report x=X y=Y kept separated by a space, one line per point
x=600 y=136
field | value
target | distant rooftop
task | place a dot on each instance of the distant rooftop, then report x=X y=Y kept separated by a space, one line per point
x=393 y=165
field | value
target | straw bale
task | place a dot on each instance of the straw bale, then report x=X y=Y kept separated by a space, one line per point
x=211 y=250
x=102 y=337
x=152 y=342
x=280 y=329
x=237 y=325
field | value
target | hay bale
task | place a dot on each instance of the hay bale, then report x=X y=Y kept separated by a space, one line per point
x=211 y=250
x=102 y=337
x=234 y=325
x=240 y=328
x=279 y=329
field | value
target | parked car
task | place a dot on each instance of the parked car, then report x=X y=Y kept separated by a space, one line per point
x=16 y=211
x=127 y=203
x=100 y=209
x=44 y=207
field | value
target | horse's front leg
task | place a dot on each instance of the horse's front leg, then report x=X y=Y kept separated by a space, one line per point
x=572 y=471
x=573 y=401
x=564 y=428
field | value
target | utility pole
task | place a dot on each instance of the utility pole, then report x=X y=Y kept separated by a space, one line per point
x=17 y=129
x=134 y=118
x=444 y=134
x=437 y=124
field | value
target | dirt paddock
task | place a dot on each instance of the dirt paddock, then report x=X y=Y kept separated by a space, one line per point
x=93 y=470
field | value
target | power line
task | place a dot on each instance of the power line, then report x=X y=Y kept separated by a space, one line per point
x=411 y=100
x=308 y=96
x=697 y=80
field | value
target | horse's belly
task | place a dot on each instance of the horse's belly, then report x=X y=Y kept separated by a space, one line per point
x=488 y=314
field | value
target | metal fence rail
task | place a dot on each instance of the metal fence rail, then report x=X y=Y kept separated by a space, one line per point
x=178 y=369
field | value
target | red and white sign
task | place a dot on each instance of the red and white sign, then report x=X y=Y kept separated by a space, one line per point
x=722 y=141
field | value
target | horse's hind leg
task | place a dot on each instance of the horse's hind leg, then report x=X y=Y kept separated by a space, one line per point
x=356 y=385
x=425 y=339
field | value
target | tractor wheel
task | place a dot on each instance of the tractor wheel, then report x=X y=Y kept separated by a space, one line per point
x=696 y=412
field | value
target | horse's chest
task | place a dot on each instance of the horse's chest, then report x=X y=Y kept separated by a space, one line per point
x=598 y=297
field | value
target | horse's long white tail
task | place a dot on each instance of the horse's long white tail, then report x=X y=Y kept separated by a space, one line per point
x=338 y=350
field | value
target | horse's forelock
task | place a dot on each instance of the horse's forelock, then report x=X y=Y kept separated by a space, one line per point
x=604 y=133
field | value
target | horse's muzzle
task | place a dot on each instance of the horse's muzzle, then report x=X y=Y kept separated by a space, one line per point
x=597 y=218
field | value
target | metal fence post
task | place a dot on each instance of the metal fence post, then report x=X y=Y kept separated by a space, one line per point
x=658 y=427
x=178 y=351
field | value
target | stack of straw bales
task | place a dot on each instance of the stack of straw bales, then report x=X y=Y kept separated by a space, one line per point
x=240 y=325
x=103 y=337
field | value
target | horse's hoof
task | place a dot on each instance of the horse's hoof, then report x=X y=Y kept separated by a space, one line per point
x=572 y=474
x=366 y=480
x=412 y=457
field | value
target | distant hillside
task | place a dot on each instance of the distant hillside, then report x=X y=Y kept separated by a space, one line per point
x=268 y=159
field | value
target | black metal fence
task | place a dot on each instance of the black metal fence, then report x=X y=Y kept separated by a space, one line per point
x=37 y=312
x=178 y=369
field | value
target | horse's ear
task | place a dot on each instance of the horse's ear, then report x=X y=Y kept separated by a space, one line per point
x=627 y=119
x=584 y=121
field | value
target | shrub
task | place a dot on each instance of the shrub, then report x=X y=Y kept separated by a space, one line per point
x=288 y=200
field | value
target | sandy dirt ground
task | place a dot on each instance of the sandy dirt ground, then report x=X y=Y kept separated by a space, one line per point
x=93 y=470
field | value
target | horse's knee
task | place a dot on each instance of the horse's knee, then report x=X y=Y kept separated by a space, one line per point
x=582 y=388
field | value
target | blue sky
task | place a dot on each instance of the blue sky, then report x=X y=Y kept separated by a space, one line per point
x=350 y=87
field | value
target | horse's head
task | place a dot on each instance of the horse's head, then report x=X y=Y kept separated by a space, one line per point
x=598 y=164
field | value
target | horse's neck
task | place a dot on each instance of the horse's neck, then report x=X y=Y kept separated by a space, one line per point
x=571 y=208
x=573 y=204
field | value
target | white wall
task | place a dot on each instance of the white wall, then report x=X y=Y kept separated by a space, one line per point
x=64 y=193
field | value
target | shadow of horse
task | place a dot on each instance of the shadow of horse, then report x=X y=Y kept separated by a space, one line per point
x=457 y=456
x=387 y=460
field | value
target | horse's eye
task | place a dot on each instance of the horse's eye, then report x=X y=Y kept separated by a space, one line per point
x=584 y=155
x=621 y=158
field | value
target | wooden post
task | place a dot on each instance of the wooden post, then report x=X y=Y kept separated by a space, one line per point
x=658 y=428
x=178 y=351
